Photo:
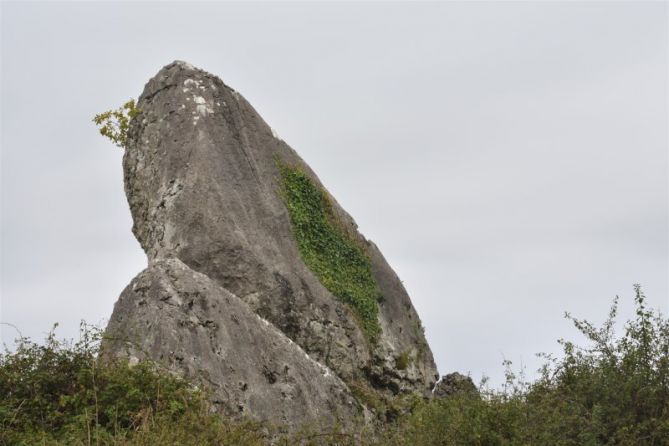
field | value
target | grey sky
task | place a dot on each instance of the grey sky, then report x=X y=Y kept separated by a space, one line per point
x=510 y=159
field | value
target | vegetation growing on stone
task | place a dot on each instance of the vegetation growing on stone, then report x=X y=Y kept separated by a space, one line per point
x=114 y=124
x=403 y=360
x=386 y=408
x=338 y=260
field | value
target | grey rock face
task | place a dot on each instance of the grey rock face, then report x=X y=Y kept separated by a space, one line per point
x=453 y=384
x=184 y=320
x=202 y=181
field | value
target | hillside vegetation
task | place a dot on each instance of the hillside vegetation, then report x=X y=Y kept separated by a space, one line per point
x=613 y=391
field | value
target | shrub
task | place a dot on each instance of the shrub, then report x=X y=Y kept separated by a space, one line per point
x=61 y=393
x=613 y=392
x=403 y=360
x=114 y=124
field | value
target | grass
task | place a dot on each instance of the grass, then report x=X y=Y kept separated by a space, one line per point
x=403 y=360
x=335 y=257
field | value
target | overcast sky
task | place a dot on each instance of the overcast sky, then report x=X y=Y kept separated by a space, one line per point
x=509 y=159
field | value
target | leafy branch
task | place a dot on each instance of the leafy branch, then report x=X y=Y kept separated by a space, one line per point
x=114 y=124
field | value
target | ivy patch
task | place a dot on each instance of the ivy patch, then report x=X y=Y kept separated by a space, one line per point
x=335 y=257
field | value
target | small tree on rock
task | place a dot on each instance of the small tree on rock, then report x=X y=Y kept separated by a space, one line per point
x=114 y=124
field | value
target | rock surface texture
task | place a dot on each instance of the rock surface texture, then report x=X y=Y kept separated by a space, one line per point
x=227 y=297
x=454 y=384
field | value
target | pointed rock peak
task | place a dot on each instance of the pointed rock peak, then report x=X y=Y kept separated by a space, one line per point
x=235 y=222
x=184 y=65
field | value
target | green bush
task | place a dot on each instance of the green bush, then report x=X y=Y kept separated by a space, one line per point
x=613 y=392
x=403 y=360
x=60 y=393
x=114 y=124
x=336 y=258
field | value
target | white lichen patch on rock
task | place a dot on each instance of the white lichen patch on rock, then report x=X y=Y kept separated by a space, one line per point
x=202 y=106
x=194 y=83
x=191 y=82
x=185 y=65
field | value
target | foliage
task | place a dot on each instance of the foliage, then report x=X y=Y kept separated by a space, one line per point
x=60 y=393
x=336 y=257
x=403 y=360
x=613 y=392
x=114 y=124
x=461 y=419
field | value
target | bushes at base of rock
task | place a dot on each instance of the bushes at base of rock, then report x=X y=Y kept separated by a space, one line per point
x=615 y=391
x=612 y=392
x=59 y=393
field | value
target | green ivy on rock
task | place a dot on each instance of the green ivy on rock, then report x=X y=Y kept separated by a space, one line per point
x=336 y=258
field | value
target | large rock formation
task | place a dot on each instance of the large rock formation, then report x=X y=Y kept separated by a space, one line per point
x=228 y=296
